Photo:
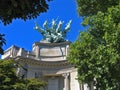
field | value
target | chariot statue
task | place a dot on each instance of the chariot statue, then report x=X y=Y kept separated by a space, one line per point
x=55 y=33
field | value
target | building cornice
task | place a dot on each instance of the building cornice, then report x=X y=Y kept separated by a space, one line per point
x=43 y=63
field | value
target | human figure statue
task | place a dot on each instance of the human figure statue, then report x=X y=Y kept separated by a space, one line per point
x=55 y=33
x=54 y=25
x=37 y=27
x=67 y=28
x=59 y=26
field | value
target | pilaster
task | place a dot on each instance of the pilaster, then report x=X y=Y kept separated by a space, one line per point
x=66 y=81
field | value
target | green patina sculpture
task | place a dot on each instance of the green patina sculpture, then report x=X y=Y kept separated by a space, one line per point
x=55 y=33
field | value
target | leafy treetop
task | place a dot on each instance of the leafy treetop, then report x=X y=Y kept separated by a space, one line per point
x=96 y=53
x=19 y=9
x=91 y=7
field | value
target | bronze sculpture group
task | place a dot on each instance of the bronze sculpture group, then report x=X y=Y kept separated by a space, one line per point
x=55 y=33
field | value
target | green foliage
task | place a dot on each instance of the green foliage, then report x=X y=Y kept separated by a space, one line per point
x=9 y=80
x=96 y=53
x=91 y=7
x=19 y=86
x=18 y=9
x=35 y=84
x=2 y=42
x=7 y=74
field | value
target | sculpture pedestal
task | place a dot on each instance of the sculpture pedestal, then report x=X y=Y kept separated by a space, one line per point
x=51 y=51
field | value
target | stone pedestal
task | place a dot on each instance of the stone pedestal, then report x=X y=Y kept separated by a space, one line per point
x=51 y=51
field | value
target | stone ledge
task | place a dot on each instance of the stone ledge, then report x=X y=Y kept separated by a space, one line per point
x=42 y=63
x=52 y=44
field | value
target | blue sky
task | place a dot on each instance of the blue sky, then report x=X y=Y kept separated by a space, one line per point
x=22 y=34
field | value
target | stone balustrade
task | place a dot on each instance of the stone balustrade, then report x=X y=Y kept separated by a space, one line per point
x=15 y=51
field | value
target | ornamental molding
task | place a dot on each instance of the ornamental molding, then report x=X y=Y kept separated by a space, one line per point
x=47 y=64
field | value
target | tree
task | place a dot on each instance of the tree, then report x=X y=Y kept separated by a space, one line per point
x=96 y=53
x=2 y=42
x=7 y=75
x=18 y=9
x=9 y=80
x=36 y=84
x=91 y=7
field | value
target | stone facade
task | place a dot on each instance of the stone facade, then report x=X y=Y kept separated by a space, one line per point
x=46 y=61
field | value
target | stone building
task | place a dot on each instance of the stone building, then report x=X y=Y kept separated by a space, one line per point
x=46 y=61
